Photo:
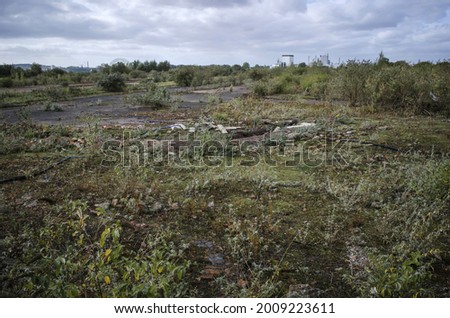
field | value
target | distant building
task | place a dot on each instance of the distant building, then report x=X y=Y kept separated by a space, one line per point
x=287 y=60
x=325 y=60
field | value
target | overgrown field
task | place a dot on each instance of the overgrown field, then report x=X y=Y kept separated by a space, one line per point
x=354 y=202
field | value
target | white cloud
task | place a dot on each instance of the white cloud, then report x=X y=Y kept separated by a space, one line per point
x=204 y=32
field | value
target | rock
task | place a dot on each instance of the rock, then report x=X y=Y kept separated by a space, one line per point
x=204 y=244
x=216 y=259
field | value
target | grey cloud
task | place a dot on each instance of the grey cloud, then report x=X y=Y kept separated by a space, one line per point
x=214 y=30
x=199 y=3
x=355 y=14
x=52 y=19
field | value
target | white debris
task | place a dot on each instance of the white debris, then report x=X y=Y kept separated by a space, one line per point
x=177 y=126
x=302 y=125
x=434 y=97
x=222 y=129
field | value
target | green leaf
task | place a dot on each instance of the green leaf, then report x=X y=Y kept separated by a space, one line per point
x=104 y=236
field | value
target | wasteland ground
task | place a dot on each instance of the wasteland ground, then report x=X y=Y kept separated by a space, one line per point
x=297 y=198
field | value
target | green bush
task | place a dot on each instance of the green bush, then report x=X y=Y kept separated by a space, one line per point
x=422 y=88
x=390 y=276
x=6 y=82
x=154 y=96
x=112 y=82
x=184 y=76
x=349 y=82
x=261 y=89
x=56 y=94
x=314 y=84
x=258 y=73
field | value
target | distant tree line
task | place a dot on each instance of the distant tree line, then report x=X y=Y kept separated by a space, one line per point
x=163 y=71
x=422 y=87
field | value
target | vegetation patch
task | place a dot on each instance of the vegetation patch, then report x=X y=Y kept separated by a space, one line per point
x=320 y=190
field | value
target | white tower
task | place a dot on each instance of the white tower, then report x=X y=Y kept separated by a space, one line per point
x=287 y=60
x=325 y=60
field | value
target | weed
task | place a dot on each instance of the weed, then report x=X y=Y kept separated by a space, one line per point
x=52 y=107
x=391 y=276
x=77 y=255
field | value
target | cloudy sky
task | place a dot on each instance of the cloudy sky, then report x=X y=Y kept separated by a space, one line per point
x=72 y=32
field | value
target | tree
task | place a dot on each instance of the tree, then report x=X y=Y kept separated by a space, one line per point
x=112 y=82
x=119 y=67
x=105 y=68
x=245 y=66
x=184 y=76
x=56 y=72
x=163 y=66
x=236 y=68
x=6 y=70
x=35 y=69
x=257 y=73
x=135 y=64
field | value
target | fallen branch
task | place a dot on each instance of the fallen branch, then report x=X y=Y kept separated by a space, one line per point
x=38 y=173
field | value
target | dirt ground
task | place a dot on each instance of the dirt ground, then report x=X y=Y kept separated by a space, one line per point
x=114 y=109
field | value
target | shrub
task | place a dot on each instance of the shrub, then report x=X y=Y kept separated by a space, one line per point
x=349 y=84
x=76 y=255
x=6 y=82
x=56 y=94
x=154 y=96
x=112 y=82
x=261 y=89
x=184 y=76
x=314 y=84
x=258 y=74
x=395 y=87
x=390 y=276
x=52 y=107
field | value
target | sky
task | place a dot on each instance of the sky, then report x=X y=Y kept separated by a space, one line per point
x=75 y=32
